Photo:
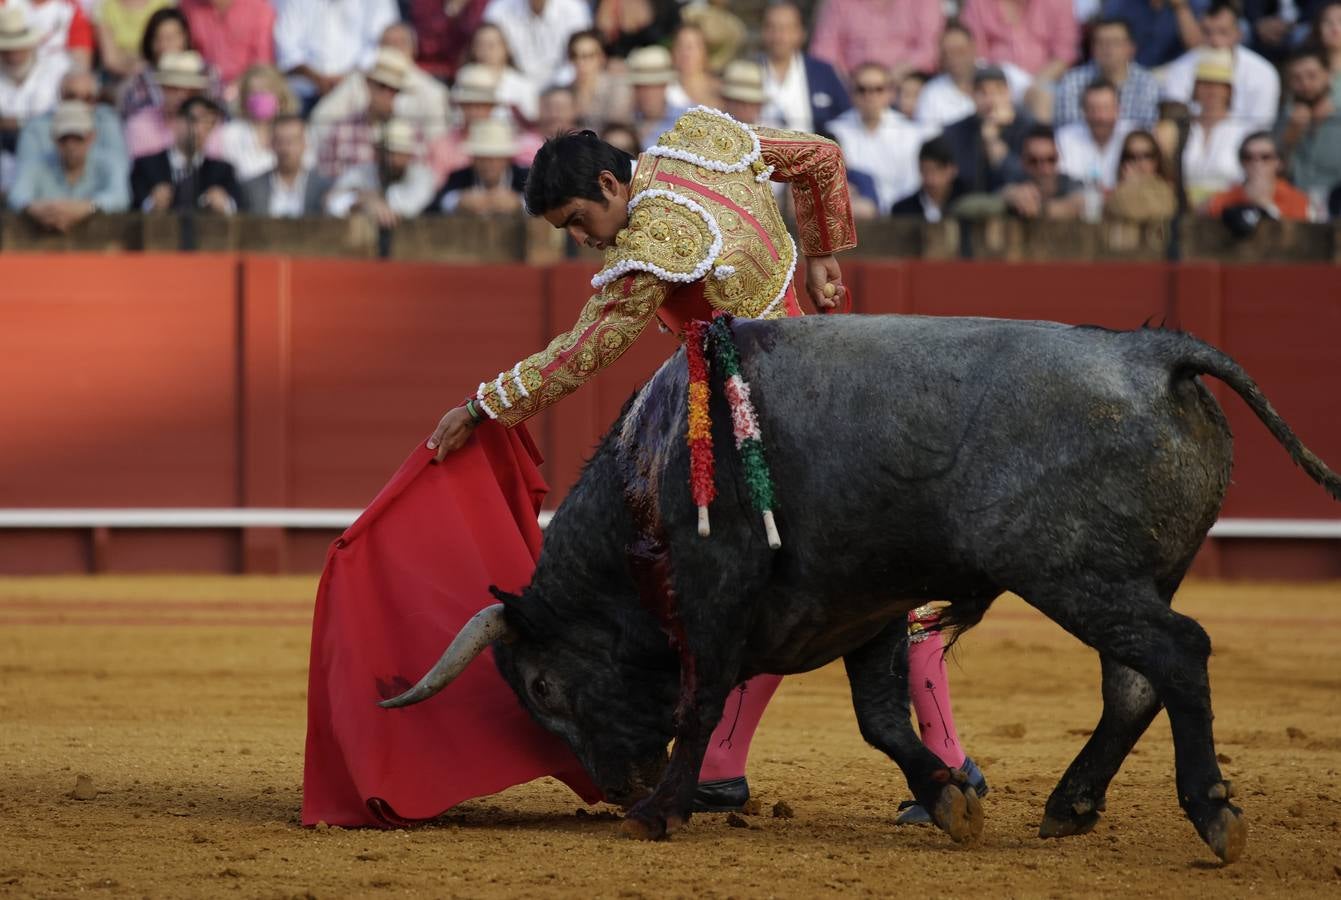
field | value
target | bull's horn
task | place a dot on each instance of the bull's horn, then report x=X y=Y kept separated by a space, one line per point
x=485 y=627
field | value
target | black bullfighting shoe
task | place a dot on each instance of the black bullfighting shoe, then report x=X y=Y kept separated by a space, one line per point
x=723 y=795
x=913 y=813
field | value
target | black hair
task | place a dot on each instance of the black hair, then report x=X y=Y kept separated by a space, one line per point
x=1256 y=136
x=956 y=25
x=1099 y=84
x=1039 y=132
x=151 y=28
x=1219 y=6
x=1112 y=22
x=576 y=36
x=569 y=166
x=1300 y=54
x=199 y=100
x=916 y=75
x=936 y=150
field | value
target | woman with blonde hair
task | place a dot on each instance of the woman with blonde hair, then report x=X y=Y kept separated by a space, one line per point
x=245 y=141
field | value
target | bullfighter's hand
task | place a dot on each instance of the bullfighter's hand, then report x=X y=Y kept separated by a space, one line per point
x=452 y=432
x=821 y=271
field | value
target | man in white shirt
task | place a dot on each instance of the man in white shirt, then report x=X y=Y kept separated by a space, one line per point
x=1256 y=83
x=876 y=139
x=29 y=82
x=537 y=33
x=319 y=42
x=948 y=97
x=422 y=98
x=291 y=189
x=1089 y=150
x=393 y=188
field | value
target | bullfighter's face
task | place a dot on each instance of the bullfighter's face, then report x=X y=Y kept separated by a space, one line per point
x=615 y=715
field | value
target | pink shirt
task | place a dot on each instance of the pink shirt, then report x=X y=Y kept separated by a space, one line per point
x=234 y=38
x=1028 y=33
x=890 y=32
x=148 y=132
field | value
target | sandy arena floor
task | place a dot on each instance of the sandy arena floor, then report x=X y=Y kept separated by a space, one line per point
x=183 y=700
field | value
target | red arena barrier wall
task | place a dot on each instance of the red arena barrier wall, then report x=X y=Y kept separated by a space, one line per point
x=262 y=381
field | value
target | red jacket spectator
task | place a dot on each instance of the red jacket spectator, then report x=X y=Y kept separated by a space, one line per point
x=444 y=32
x=1290 y=202
x=232 y=35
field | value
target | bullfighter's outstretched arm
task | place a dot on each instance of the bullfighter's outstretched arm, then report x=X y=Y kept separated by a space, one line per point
x=814 y=168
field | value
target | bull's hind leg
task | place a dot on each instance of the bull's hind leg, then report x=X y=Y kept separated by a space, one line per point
x=1130 y=704
x=878 y=673
x=1131 y=625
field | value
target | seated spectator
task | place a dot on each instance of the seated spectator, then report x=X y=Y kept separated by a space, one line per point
x=179 y=76
x=1309 y=127
x=37 y=144
x=650 y=73
x=694 y=84
x=29 y=83
x=601 y=96
x=1045 y=192
x=537 y=32
x=120 y=26
x=558 y=112
x=987 y=143
x=1262 y=187
x=626 y=25
x=907 y=92
x=514 y=90
x=232 y=35
x=948 y=97
x=743 y=94
x=166 y=33
x=1162 y=31
x=65 y=29
x=245 y=142
x=897 y=34
x=1145 y=190
x=293 y=188
x=1210 y=156
x=1255 y=82
x=319 y=42
x=724 y=31
x=623 y=136
x=423 y=99
x=473 y=96
x=1327 y=35
x=876 y=139
x=1112 y=54
x=1090 y=148
x=444 y=31
x=804 y=93
x=1041 y=37
x=940 y=186
x=492 y=183
x=183 y=176
x=351 y=141
x=81 y=181
x=390 y=188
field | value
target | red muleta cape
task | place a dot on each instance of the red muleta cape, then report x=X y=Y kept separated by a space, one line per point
x=397 y=587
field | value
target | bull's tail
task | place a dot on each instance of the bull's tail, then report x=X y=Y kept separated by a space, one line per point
x=1189 y=356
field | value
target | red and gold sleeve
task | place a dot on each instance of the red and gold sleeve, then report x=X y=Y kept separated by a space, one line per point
x=814 y=167
x=608 y=325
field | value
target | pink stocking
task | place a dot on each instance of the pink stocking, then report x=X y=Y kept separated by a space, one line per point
x=730 y=743
x=929 y=689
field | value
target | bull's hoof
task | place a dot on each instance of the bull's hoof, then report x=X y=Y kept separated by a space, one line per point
x=1221 y=826
x=653 y=829
x=1060 y=820
x=958 y=813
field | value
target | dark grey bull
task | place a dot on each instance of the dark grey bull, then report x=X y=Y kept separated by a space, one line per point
x=916 y=459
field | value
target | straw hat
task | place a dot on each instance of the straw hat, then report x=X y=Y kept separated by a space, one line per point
x=400 y=137
x=182 y=70
x=72 y=117
x=650 y=65
x=1216 y=67
x=391 y=68
x=743 y=81
x=16 y=32
x=491 y=138
x=475 y=84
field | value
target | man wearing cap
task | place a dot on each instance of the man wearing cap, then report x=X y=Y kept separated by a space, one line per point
x=650 y=72
x=392 y=187
x=291 y=189
x=492 y=183
x=37 y=145
x=351 y=141
x=29 y=83
x=804 y=92
x=742 y=90
x=184 y=176
x=475 y=96
x=232 y=35
x=1256 y=84
x=179 y=76
x=878 y=140
x=423 y=99
x=80 y=183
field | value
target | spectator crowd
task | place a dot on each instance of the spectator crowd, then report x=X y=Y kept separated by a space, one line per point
x=1052 y=109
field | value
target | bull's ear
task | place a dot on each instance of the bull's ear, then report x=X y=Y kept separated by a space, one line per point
x=503 y=596
x=511 y=605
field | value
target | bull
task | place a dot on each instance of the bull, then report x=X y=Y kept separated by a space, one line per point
x=916 y=459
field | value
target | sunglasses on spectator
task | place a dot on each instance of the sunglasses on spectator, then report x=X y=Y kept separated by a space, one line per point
x=872 y=88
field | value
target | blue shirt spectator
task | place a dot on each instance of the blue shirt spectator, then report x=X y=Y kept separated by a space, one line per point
x=36 y=145
x=1161 y=32
x=1112 y=51
x=80 y=182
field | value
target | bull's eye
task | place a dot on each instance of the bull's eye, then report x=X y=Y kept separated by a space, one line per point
x=540 y=688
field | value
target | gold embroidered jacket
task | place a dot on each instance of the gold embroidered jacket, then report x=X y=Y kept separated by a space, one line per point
x=703 y=223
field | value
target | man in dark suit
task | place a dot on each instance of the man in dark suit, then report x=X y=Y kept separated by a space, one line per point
x=804 y=93
x=940 y=184
x=291 y=189
x=986 y=145
x=182 y=177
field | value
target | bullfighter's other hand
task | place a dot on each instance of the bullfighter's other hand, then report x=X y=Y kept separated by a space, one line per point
x=452 y=432
x=822 y=270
